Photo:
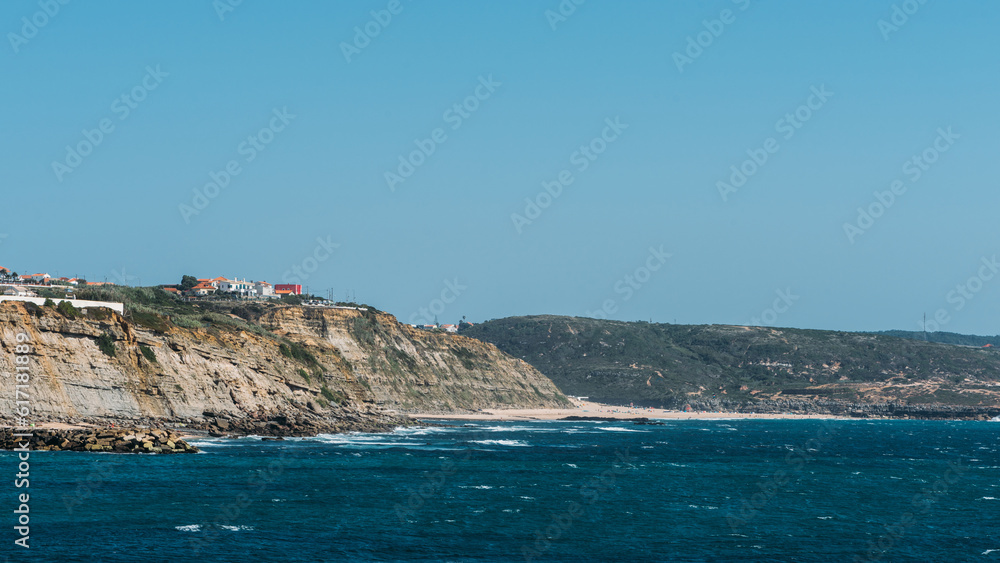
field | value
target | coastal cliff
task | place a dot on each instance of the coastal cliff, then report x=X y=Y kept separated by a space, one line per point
x=299 y=371
x=753 y=369
x=400 y=367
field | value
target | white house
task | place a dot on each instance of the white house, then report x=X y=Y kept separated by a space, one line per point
x=243 y=287
x=17 y=291
x=264 y=289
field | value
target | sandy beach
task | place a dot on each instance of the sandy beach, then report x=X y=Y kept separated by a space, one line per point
x=608 y=411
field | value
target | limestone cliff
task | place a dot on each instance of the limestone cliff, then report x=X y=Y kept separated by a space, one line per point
x=334 y=364
x=409 y=369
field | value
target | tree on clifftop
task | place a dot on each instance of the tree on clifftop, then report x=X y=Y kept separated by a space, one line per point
x=187 y=282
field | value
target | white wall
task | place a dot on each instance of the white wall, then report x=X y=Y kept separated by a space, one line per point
x=78 y=303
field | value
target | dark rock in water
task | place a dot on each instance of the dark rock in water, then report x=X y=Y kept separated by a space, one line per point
x=647 y=422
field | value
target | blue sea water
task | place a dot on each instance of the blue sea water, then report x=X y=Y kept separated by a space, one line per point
x=736 y=490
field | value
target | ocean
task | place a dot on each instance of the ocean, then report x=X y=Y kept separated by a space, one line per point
x=690 y=490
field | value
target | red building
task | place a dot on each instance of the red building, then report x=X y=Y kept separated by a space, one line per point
x=288 y=289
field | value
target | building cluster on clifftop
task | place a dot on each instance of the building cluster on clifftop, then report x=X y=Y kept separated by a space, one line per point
x=235 y=288
x=12 y=284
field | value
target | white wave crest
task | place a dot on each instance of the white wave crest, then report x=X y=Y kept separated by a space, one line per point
x=509 y=443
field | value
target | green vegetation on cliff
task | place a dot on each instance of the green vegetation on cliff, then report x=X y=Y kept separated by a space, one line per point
x=944 y=337
x=671 y=365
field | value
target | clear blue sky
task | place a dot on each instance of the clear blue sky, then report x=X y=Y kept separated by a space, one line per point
x=117 y=214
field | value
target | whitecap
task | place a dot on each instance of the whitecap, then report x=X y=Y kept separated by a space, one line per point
x=518 y=429
x=619 y=429
x=237 y=528
x=422 y=430
x=221 y=442
x=510 y=443
x=189 y=528
x=987 y=498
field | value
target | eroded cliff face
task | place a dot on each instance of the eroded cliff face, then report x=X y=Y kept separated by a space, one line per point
x=361 y=363
x=414 y=370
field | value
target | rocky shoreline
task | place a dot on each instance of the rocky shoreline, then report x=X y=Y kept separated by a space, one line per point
x=896 y=410
x=165 y=436
x=116 y=440
x=297 y=424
